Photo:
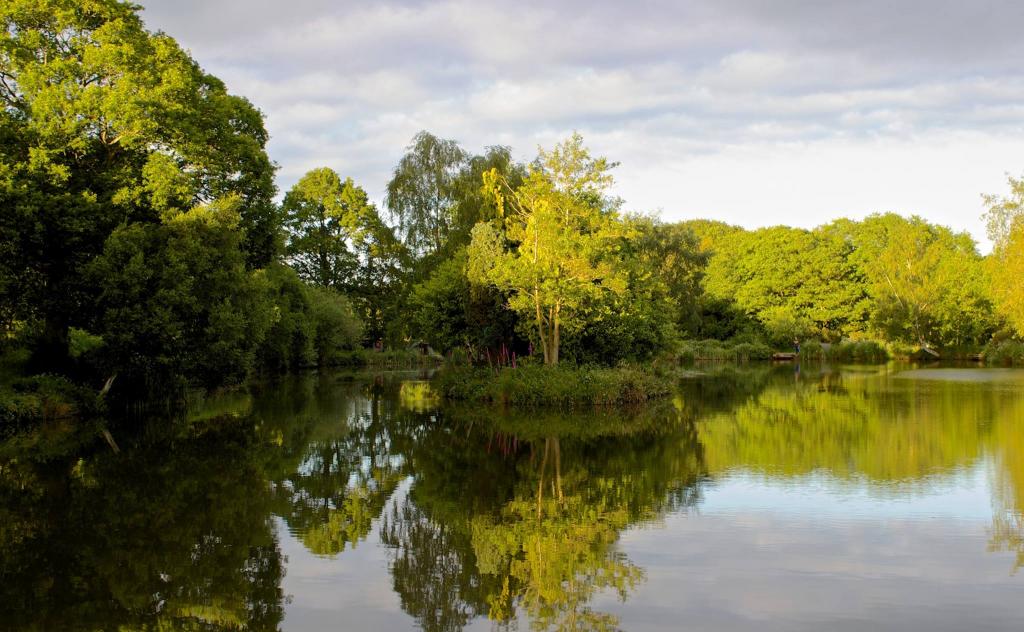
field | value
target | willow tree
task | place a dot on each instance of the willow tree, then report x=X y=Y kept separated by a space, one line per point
x=424 y=192
x=555 y=256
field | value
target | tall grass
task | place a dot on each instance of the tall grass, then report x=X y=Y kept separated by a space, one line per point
x=719 y=351
x=851 y=352
x=386 y=359
x=553 y=386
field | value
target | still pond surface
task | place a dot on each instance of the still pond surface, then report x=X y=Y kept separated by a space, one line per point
x=756 y=499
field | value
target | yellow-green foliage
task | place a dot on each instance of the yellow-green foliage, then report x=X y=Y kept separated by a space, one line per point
x=857 y=426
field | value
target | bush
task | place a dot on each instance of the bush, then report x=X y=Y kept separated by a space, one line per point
x=336 y=328
x=812 y=350
x=1004 y=353
x=553 y=386
x=716 y=350
x=176 y=303
x=31 y=400
x=864 y=351
x=288 y=343
x=746 y=351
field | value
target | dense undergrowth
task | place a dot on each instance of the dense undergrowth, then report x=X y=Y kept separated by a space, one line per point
x=565 y=386
x=722 y=351
x=1004 y=353
x=860 y=352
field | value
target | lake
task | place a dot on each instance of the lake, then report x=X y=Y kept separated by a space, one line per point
x=758 y=498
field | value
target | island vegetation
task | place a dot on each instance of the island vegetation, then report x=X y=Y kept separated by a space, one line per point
x=144 y=248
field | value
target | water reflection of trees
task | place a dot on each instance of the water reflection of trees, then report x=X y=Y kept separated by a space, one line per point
x=501 y=515
x=515 y=514
x=172 y=532
x=867 y=428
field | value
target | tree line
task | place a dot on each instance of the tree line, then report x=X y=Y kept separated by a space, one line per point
x=142 y=234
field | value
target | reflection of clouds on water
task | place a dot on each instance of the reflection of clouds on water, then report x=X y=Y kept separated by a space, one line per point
x=748 y=501
x=961 y=494
x=769 y=571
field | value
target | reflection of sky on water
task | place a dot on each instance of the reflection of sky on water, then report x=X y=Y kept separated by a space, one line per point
x=813 y=553
x=759 y=552
x=347 y=592
x=768 y=549
x=964 y=493
x=746 y=570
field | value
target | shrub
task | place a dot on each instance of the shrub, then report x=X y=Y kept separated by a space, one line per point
x=31 y=400
x=746 y=351
x=866 y=351
x=335 y=326
x=716 y=350
x=812 y=350
x=1004 y=353
x=553 y=386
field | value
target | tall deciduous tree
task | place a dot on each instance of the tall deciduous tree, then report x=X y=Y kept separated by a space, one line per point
x=101 y=124
x=337 y=239
x=325 y=217
x=926 y=284
x=424 y=192
x=1005 y=218
x=555 y=257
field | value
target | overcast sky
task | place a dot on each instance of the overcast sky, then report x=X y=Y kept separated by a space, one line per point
x=755 y=112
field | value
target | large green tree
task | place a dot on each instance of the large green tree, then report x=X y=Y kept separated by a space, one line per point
x=562 y=228
x=337 y=239
x=326 y=217
x=175 y=301
x=436 y=197
x=423 y=193
x=794 y=281
x=104 y=124
x=926 y=284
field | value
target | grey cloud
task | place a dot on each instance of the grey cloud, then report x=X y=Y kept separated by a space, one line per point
x=348 y=83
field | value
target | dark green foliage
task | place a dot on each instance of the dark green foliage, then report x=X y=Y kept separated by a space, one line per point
x=336 y=329
x=29 y=401
x=310 y=325
x=288 y=344
x=104 y=125
x=449 y=312
x=175 y=301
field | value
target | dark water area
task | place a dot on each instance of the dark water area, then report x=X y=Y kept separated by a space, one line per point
x=762 y=498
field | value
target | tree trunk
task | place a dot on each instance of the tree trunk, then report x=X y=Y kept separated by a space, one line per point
x=540 y=324
x=555 y=342
x=51 y=349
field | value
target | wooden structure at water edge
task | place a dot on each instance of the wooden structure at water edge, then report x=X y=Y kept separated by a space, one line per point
x=783 y=357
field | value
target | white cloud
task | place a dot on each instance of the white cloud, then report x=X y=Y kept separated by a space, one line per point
x=737 y=109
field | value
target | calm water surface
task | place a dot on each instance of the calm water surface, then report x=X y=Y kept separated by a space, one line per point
x=756 y=499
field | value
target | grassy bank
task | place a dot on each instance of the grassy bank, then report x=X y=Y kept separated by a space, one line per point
x=29 y=401
x=554 y=386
